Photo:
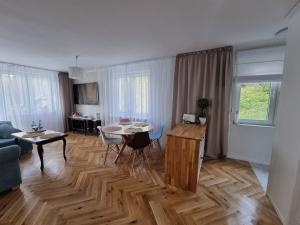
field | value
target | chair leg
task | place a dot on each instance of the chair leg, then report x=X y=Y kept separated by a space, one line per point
x=107 y=149
x=158 y=144
x=149 y=150
x=159 y=147
x=134 y=155
x=146 y=157
x=117 y=146
x=130 y=156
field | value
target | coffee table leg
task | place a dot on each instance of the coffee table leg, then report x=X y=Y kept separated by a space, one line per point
x=41 y=153
x=64 y=148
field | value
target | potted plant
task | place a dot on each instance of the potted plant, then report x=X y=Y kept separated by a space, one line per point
x=203 y=106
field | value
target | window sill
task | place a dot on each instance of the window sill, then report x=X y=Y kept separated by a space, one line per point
x=254 y=125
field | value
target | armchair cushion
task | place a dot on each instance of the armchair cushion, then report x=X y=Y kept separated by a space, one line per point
x=5 y=122
x=9 y=153
x=10 y=174
x=6 y=130
x=7 y=142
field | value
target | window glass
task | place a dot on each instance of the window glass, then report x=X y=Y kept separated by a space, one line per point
x=141 y=95
x=254 y=101
x=133 y=95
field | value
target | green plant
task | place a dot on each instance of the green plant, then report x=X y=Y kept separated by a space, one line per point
x=203 y=105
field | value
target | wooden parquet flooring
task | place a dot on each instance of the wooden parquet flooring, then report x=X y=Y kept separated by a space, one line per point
x=84 y=192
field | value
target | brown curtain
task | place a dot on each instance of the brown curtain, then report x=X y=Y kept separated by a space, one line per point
x=66 y=95
x=205 y=74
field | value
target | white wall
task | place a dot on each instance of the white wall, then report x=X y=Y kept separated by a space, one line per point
x=89 y=110
x=250 y=143
x=286 y=143
x=245 y=142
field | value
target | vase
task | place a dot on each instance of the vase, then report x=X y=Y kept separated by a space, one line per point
x=202 y=120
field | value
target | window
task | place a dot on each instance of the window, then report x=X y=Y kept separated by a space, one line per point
x=141 y=95
x=33 y=93
x=257 y=102
x=133 y=96
x=28 y=94
x=258 y=80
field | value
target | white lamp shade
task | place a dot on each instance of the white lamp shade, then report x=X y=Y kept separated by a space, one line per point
x=75 y=72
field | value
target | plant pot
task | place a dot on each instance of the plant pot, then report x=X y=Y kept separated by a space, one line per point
x=202 y=120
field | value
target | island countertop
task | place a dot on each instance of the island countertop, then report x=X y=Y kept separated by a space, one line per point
x=183 y=155
x=190 y=131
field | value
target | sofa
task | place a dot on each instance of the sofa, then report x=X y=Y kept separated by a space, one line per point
x=6 y=129
x=10 y=175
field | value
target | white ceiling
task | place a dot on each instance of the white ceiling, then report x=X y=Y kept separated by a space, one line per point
x=49 y=33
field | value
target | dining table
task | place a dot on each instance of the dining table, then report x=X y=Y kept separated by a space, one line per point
x=126 y=130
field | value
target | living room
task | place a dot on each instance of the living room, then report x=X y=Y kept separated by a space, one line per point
x=161 y=112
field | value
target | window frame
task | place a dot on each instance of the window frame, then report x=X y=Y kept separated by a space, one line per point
x=275 y=91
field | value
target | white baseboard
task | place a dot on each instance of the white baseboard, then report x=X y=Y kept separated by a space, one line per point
x=247 y=159
x=276 y=209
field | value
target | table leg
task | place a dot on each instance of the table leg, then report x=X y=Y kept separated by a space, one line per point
x=64 y=148
x=41 y=153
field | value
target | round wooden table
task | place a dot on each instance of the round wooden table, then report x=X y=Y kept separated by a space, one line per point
x=126 y=129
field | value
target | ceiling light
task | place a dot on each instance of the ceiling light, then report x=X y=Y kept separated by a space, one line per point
x=75 y=72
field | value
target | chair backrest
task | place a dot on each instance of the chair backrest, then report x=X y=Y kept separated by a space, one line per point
x=160 y=130
x=140 y=140
x=157 y=133
x=103 y=136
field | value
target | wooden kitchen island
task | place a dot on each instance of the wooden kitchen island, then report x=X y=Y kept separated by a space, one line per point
x=183 y=156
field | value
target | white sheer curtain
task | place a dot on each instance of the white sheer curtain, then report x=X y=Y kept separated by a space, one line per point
x=29 y=94
x=140 y=91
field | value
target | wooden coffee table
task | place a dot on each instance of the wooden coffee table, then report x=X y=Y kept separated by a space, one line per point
x=42 y=141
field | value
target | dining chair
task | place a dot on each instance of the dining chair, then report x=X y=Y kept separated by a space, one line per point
x=112 y=143
x=138 y=143
x=155 y=136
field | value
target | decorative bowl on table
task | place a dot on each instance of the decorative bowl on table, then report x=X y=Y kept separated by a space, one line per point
x=33 y=134
x=50 y=135
x=111 y=129
x=133 y=130
x=141 y=124
x=125 y=123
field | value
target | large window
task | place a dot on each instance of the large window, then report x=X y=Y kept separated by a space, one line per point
x=258 y=81
x=28 y=94
x=141 y=91
x=133 y=96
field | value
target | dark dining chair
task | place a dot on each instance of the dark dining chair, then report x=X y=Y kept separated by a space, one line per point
x=138 y=143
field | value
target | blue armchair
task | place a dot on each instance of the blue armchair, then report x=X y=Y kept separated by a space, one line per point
x=10 y=175
x=6 y=129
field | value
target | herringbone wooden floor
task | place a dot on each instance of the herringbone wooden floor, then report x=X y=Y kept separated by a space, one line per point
x=82 y=191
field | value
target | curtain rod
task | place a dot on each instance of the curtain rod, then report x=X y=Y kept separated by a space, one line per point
x=33 y=67
x=119 y=64
x=229 y=47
